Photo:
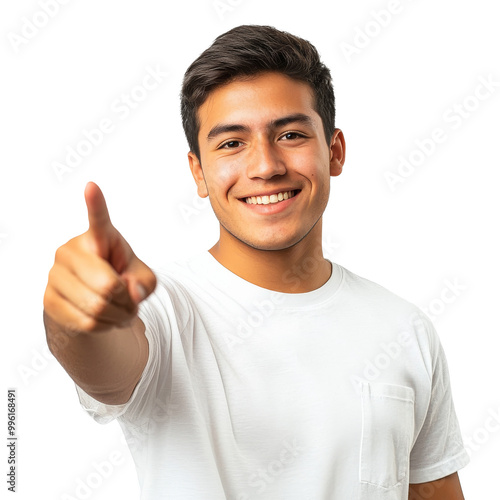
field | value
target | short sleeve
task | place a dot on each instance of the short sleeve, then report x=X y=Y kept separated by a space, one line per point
x=438 y=450
x=154 y=312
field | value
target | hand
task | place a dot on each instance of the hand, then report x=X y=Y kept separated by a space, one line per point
x=97 y=281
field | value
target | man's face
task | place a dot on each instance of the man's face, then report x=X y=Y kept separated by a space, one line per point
x=260 y=137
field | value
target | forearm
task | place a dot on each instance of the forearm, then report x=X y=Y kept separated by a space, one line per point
x=108 y=364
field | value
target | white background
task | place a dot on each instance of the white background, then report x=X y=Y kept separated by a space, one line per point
x=435 y=233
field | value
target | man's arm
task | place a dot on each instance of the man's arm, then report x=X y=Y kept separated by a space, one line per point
x=91 y=305
x=107 y=365
x=446 y=488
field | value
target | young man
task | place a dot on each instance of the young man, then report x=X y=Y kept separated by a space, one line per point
x=244 y=373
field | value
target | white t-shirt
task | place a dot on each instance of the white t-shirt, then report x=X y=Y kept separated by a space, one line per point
x=338 y=393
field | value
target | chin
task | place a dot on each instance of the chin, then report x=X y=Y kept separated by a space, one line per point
x=273 y=245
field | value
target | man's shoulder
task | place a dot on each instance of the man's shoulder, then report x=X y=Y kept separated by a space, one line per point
x=361 y=285
x=373 y=296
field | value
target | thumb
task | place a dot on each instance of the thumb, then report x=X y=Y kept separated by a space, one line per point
x=99 y=220
x=141 y=280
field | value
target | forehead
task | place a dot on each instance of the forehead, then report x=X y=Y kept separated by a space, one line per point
x=255 y=101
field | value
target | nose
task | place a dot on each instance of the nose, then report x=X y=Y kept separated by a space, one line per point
x=265 y=161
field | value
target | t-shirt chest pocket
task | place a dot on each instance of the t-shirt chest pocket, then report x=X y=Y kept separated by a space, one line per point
x=387 y=433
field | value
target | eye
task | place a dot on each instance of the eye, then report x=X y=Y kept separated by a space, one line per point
x=292 y=135
x=229 y=145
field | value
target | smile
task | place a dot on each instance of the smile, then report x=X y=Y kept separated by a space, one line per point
x=273 y=198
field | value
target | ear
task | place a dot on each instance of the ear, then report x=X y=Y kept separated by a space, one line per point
x=337 y=152
x=197 y=172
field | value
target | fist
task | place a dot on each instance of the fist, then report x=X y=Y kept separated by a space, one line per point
x=96 y=282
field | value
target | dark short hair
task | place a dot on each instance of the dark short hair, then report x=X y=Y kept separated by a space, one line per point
x=249 y=50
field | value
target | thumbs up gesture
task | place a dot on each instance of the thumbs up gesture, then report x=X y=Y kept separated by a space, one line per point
x=97 y=281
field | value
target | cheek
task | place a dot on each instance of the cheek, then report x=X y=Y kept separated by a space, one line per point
x=317 y=170
x=224 y=173
x=313 y=167
x=220 y=177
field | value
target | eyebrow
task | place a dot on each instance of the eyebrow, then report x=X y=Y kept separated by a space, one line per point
x=223 y=128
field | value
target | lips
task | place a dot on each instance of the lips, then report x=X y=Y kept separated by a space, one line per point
x=270 y=197
x=270 y=209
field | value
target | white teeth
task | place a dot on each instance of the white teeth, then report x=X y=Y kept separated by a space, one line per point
x=266 y=200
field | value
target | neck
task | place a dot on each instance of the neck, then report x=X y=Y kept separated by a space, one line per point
x=298 y=269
